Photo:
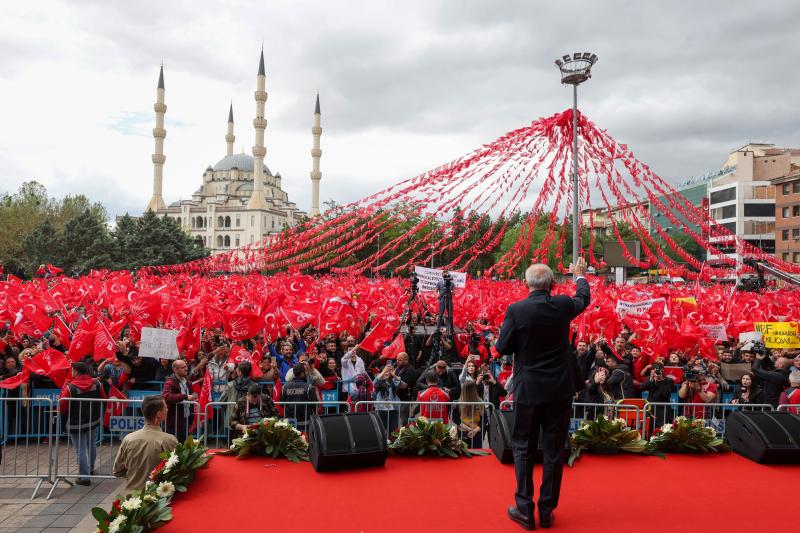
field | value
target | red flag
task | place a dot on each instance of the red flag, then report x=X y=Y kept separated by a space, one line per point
x=397 y=346
x=82 y=342
x=62 y=332
x=241 y=325
x=54 y=270
x=238 y=354
x=105 y=345
x=113 y=408
x=204 y=397
x=50 y=363
x=16 y=380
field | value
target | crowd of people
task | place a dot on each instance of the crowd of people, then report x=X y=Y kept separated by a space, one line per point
x=301 y=372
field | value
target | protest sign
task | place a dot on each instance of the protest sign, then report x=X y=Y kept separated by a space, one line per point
x=779 y=334
x=429 y=277
x=159 y=343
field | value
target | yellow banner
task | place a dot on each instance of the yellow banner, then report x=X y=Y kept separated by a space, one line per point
x=690 y=300
x=779 y=334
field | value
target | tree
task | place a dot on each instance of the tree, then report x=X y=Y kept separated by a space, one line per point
x=86 y=244
x=153 y=240
x=42 y=246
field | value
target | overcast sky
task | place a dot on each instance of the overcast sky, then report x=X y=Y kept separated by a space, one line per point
x=404 y=86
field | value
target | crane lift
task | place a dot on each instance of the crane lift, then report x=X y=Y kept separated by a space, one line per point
x=760 y=268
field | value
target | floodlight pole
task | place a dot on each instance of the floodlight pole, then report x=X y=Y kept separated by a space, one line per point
x=576 y=221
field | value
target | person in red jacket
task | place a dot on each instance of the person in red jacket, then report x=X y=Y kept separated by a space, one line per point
x=82 y=409
x=433 y=394
x=177 y=390
x=791 y=396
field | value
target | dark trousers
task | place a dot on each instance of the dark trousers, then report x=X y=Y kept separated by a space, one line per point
x=551 y=421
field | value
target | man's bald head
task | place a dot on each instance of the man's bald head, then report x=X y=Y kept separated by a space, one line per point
x=539 y=277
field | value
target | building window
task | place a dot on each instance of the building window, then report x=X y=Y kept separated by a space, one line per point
x=237 y=240
x=227 y=222
x=251 y=239
x=785 y=235
x=220 y=222
x=796 y=233
x=252 y=220
x=785 y=212
x=273 y=222
x=238 y=221
x=760 y=210
x=725 y=195
x=227 y=241
x=786 y=189
x=796 y=257
x=219 y=241
x=796 y=187
x=786 y=256
x=796 y=210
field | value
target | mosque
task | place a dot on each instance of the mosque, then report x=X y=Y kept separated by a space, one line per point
x=240 y=200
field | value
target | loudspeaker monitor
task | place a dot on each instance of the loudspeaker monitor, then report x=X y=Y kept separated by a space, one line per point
x=768 y=437
x=347 y=440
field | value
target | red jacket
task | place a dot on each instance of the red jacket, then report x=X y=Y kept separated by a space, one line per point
x=433 y=394
x=83 y=383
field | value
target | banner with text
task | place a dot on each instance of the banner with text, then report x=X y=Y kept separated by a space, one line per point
x=159 y=343
x=429 y=277
x=779 y=334
x=636 y=308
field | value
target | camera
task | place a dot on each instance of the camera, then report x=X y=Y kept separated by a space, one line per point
x=692 y=376
x=758 y=348
x=658 y=369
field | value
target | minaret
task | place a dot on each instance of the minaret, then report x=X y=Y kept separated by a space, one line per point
x=157 y=201
x=316 y=153
x=257 y=200
x=230 y=137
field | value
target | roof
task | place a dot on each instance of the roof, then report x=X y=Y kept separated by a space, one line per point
x=241 y=161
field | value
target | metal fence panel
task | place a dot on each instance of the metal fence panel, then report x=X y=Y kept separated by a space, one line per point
x=26 y=437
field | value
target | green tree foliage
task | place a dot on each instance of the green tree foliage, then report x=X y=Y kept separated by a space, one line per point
x=72 y=233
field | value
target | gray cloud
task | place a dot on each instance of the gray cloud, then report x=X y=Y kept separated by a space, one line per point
x=680 y=82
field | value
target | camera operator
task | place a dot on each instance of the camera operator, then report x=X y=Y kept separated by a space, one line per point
x=442 y=347
x=660 y=390
x=445 y=290
x=696 y=389
x=620 y=380
x=489 y=389
x=773 y=381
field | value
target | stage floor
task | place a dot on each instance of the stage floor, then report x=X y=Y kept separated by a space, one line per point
x=627 y=493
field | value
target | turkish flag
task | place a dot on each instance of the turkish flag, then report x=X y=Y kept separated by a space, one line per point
x=397 y=346
x=82 y=342
x=241 y=325
x=238 y=354
x=145 y=310
x=50 y=363
x=62 y=331
x=383 y=330
x=204 y=398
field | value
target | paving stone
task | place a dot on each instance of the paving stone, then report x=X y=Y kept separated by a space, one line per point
x=67 y=520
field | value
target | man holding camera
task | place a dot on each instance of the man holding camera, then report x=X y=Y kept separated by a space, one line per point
x=536 y=330
x=774 y=380
x=696 y=389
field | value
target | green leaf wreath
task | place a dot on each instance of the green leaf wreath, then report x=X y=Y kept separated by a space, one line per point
x=603 y=433
x=423 y=437
x=149 y=508
x=271 y=437
x=687 y=435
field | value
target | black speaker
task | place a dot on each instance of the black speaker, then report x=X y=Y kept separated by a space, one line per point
x=768 y=437
x=345 y=441
x=501 y=426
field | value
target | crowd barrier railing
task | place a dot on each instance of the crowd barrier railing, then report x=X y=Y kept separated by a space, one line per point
x=87 y=433
x=790 y=408
x=216 y=431
x=26 y=440
x=471 y=418
x=633 y=414
x=714 y=414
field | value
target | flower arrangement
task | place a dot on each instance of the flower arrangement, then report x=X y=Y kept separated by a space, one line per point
x=272 y=437
x=603 y=434
x=149 y=508
x=423 y=437
x=687 y=435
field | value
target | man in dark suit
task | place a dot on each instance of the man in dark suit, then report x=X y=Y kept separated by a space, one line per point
x=536 y=330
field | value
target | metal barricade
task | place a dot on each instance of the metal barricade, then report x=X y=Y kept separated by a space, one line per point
x=714 y=414
x=297 y=413
x=793 y=408
x=26 y=439
x=471 y=418
x=634 y=415
x=88 y=432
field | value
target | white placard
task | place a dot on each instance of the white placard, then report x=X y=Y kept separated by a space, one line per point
x=159 y=343
x=715 y=331
x=636 y=308
x=429 y=277
x=749 y=336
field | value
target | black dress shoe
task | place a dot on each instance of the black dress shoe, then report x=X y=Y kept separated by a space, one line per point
x=83 y=481
x=545 y=520
x=519 y=518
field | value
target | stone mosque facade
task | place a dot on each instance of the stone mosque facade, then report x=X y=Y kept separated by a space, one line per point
x=240 y=201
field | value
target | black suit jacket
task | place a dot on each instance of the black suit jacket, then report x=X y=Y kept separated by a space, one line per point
x=536 y=331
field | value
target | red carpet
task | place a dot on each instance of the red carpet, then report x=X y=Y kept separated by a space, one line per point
x=602 y=493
